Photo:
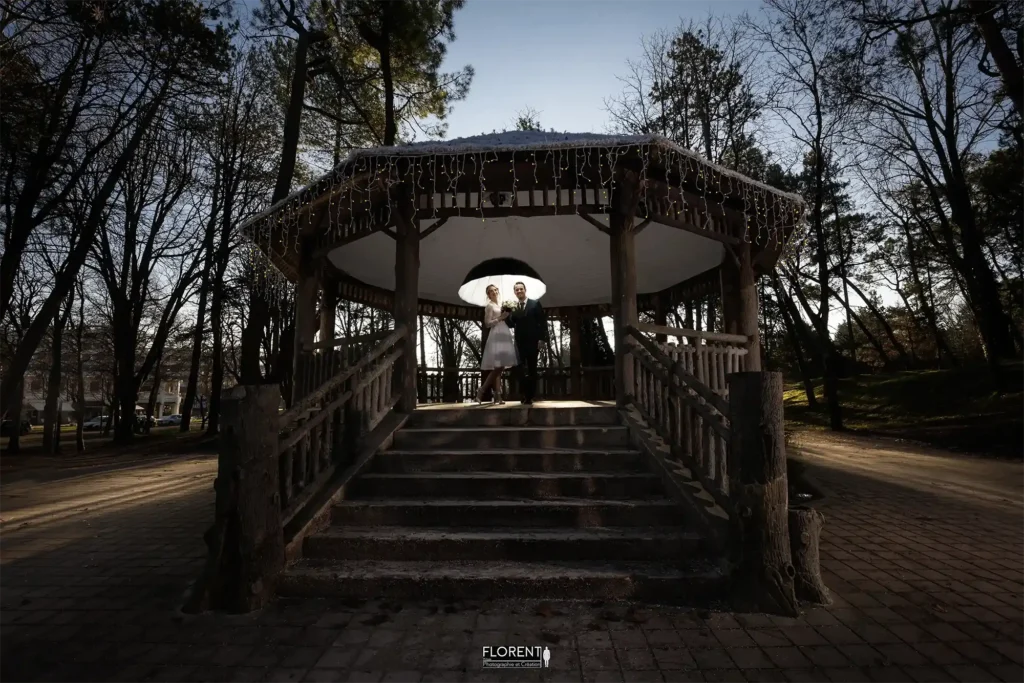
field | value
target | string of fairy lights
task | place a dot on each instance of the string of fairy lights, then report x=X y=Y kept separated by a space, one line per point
x=444 y=177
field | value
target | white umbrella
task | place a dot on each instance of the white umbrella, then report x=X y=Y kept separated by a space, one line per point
x=503 y=273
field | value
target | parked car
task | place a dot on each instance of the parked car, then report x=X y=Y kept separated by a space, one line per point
x=169 y=420
x=7 y=427
x=96 y=423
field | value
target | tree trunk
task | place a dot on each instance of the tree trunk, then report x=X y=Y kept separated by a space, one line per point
x=51 y=413
x=927 y=310
x=801 y=362
x=14 y=442
x=293 y=119
x=127 y=399
x=804 y=537
x=1009 y=65
x=759 y=489
x=830 y=385
x=829 y=359
x=1012 y=306
x=246 y=542
x=112 y=411
x=192 y=387
x=125 y=387
x=387 y=76
x=216 y=372
x=154 y=393
x=259 y=306
x=80 y=371
x=216 y=327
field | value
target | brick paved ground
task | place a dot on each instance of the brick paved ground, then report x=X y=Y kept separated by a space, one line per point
x=923 y=553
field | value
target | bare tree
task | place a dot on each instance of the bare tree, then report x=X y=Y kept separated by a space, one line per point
x=146 y=258
x=94 y=78
x=927 y=111
x=805 y=42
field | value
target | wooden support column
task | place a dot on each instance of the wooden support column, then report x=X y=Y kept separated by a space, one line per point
x=575 y=356
x=328 y=309
x=747 y=304
x=661 y=316
x=729 y=283
x=245 y=545
x=759 y=490
x=407 y=280
x=623 y=262
x=306 y=324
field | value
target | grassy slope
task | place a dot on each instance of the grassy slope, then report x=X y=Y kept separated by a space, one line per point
x=954 y=409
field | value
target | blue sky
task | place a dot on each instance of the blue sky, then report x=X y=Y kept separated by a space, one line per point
x=560 y=57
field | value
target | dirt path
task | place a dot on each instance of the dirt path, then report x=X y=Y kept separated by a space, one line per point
x=916 y=467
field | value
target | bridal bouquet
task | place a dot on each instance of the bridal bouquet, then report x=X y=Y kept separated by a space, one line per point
x=509 y=306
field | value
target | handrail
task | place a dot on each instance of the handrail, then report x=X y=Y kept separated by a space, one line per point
x=322 y=432
x=314 y=397
x=323 y=414
x=715 y=421
x=694 y=334
x=676 y=369
x=348 y=341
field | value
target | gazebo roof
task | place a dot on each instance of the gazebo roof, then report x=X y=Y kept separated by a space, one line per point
x=539 y=197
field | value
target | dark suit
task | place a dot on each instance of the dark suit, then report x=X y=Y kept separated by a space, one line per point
x=531 y=329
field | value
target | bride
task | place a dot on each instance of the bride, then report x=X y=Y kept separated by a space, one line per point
x=500 y=350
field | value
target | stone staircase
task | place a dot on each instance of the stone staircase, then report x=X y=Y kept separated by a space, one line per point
x=507 y=502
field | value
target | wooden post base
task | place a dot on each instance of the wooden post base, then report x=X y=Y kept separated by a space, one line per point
x=760 y=496
x=246 y=541
x=804 y=537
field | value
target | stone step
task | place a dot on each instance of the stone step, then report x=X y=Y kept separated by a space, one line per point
x=482 y=438
x=506 y=485
x=512 y=415
x=692 y=583
x=508 y=460
x=509 y=513
x=517 y=545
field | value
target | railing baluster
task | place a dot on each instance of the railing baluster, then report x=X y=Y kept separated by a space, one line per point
x=315 y=441
x=301 y=464
x=285 y=472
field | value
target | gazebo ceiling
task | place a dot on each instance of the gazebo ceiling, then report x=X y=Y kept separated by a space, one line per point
x=569 y=253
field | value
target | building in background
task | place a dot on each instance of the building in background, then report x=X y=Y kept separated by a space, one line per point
x=98 y=397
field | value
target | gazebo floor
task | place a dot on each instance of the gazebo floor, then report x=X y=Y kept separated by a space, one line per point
x=516 y=405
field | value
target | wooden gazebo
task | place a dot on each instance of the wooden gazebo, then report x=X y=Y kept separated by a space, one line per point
x=614 y=224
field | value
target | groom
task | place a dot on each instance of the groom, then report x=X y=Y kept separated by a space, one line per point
x=531 y=328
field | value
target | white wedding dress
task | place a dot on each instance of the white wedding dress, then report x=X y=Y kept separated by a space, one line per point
x=500 y=350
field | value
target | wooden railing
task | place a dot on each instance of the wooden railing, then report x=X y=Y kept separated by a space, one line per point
x=691 y=417
x=320 y=431
x=318 y=362
x=708 y=356
x=457 y=385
